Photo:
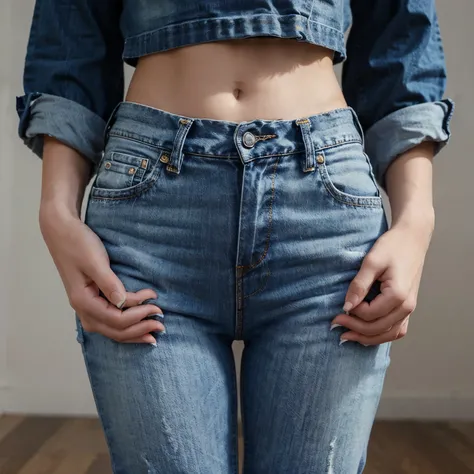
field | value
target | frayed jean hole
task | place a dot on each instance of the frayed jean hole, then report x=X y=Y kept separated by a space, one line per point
x=330 y=463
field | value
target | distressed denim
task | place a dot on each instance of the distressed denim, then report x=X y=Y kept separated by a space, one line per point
x=394 y=73
x=247 y=231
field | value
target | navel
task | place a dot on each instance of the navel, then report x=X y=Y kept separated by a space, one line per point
x=237 y=93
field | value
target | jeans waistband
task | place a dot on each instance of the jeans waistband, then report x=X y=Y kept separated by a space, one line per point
x=248 y=140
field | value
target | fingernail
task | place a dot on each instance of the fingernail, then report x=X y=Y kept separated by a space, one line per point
x=154 y=344
x=162 y=332
x=335 y=325
x=347 y=306
x=118 y=299
x=160 y=315
x=366 y=345
x=342 y=341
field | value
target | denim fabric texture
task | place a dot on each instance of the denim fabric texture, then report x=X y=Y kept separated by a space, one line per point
x=394 y=61
x=247 y=231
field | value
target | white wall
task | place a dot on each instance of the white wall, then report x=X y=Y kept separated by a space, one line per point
x=432 y=369
x=41 y=368
x=5 y=199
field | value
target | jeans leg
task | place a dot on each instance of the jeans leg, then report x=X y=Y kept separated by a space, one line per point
x=168 y=409
x=308 y=403
x=171 y=409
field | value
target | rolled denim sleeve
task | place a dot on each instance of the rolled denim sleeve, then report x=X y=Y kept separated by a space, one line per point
x=73 y=75
x=395 y=77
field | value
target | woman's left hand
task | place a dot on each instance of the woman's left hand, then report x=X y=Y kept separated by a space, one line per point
x=396 y=260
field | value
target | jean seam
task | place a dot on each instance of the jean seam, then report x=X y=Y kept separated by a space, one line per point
x=118 y=133
x=371 y=172
x=143 y=186
x=339 y=142
x=356 y=201
x=125 y=176
x=270 y=224
x=262 y=287
x=86 y=361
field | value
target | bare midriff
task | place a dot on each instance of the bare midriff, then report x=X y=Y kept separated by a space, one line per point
x=239 y=80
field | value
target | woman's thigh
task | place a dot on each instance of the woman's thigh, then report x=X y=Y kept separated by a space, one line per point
x=170 y=408
x=308 y=403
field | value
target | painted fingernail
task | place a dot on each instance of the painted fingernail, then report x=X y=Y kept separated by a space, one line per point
x=160 y=315
x=347 y=306
x=366 y=345
x=118 y=299
x=342 y=341
x=163 y=331
x=335 y=325
x=154 y=344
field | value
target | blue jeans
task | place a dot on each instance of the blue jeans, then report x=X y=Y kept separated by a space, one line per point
x=247 y=231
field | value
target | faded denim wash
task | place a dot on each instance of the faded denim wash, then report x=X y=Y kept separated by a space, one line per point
x=394 y=75
x=247 y=231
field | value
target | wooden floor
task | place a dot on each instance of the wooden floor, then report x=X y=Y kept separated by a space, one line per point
x=40 y=445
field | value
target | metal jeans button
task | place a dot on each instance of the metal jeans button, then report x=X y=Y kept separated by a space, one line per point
x=249 y=139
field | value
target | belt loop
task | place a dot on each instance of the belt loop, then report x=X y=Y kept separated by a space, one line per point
x=176 y=156
x=305 y=126
x=358 y=126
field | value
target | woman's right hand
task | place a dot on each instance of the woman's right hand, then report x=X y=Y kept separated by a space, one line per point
x=84 y=267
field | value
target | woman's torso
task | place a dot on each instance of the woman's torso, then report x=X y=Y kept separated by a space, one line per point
x=239 y=80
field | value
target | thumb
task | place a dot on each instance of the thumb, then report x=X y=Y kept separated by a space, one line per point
x=361 y=285
x=110 y=285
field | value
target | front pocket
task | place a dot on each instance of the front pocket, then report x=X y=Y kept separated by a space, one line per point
x=347 y=175
x=126 y=170
x=119 y=170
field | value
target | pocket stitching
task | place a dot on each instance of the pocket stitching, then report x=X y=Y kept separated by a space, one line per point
x=345 y=198
x=133 y=160
x=120 y=170
x=131 y=191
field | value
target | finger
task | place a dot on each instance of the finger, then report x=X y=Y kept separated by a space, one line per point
x=98 y=308
x=110 y=285
x=361 y=284
x=391 y=297
x=403 y=328
x=133 y=299
x=129 y=317
x=133 y=332
x=371 y=328
x=146 y=339
x=397 y=332
x=91 y=324
x=135 y=314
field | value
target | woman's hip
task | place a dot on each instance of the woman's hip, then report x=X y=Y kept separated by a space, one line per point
x=215 y=214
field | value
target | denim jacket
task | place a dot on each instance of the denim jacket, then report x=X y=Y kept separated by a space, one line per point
x=393 y=72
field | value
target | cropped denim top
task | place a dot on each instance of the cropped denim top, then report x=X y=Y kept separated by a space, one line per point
x=393 y=74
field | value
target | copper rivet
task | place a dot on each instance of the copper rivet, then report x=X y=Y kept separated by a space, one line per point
x=108 y=164
x=184 y=121
x=144 y=162
x=131 y=171
x=164 y=158
x=171 y=168
x=320 y=159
